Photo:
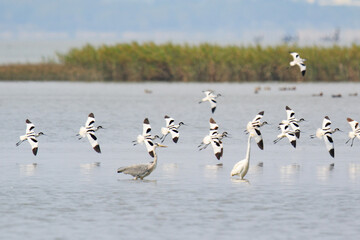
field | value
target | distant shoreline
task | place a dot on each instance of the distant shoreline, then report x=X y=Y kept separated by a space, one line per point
x=134 y=62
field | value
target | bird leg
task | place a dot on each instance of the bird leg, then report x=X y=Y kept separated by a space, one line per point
x=163 y=138
x=19 y=142
x=347 y=140
x=277 y=140
x=352 y=142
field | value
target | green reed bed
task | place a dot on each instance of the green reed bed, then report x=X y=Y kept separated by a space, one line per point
x=188 y=63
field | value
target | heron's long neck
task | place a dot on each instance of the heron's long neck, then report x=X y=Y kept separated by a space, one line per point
x=248 y=149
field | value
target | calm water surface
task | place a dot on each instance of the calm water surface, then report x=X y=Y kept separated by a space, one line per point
x=295 y=195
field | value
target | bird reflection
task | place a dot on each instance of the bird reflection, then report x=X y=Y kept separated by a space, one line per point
x=288 y=171
x=354 y=171
x=239 y=180
x=211 y=171
x=323 y=172
x=28 y=169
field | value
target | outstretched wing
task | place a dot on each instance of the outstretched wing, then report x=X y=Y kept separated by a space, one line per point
x=169 y=121
x=326 y=123
x=174 y=134
x=93 y=141
x=329 y=143
x=295 y=55
x=213 y=125
x=213 y=104
x=90 y=121
x=296 y=128
x=256 y=134
x=34 y=144
x=354 y=124
x=29 y=127
x=217 y=147
x=289 y=113
x=292 y=138
x=146 y=127
x=302 y=67
x=150 y=147
x=256 y=120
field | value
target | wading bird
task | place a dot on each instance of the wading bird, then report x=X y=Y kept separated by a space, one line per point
x=146 y=135
x=355 y=130
x=326 y=133
x=253 y=128
x=292 y=121
x=286 y=132
x=241 y=168
x=214 y=138
x=89 y=132
x=298 y=61
x=139 y=171
x=30 y=136
x=170 y=128
x=211 y=97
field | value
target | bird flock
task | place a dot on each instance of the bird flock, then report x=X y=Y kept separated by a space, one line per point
x=289 y=128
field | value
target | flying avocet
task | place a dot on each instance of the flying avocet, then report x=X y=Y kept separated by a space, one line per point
x=355 y=130
x=292 y=121
x=89 y=132
x=30 y=136
x=286 y=132
x=171 y=128
x=146 y=137
x=214 y=138
x=253 y=128
x=298 y=61
x=211 y=97
x=326 y=133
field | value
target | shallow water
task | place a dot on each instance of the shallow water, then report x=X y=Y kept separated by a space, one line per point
x=295 y=194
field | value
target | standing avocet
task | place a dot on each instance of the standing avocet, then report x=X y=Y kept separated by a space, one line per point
x=241 y=168
x=326 y=132
x=292 y=121
x=298 y=61
x=145 y=136
x=355 y=130
x=30 y=136
x=214 y=138
x=253 y=128
x=139 y=171
x=89 y=132
x=171 y=128
x=211 y=97
x=286 y=132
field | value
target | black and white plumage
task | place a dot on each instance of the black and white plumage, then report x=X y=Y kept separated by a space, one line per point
x=89 y=131
x=253 y=128
x=355 y=130
x=214 y=138
x=286 y=132
x=139 y=171
x=211 y=97
x=30 y=136
x=298 y=61
x=292 y=121
x=325 y=132
x=146 y=137
x=171 y=128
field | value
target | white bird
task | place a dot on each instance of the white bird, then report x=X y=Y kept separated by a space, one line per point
x=214 y=138
x=146 y=137
x=171 y=128
x=298 y=61
x=89 y=132
x=292 y=121
x=139 y=171
x=286 y=132
x=241 y=168
x=211 y=97
x=253 y=128
x=326 y=133
x=355 y=130
x=30 y=136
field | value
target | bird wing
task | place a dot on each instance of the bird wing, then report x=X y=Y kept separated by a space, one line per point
x=354 y=124
x=174 y=134
x=93 y=141
x=34 y=144
x=289 y=113
x=213 y=125
x=257 y=118
x=150 y=147
x=169 y=121
x=29 y=127
x=146 y=127
x=326 y=123
x=292 y=138
x=90 y=121
x=295 y=55
x=329 y=143
x=217 y=147
x=212 y=104
x=134 y=170
x=255 y=132
x=302 y=67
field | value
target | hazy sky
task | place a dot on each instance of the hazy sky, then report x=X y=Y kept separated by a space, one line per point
x=193 y=21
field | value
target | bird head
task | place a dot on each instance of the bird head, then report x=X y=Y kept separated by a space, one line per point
x=100 y=127
x=301 y=120
x=41 y=133
x=181 y=123
x=337 y=129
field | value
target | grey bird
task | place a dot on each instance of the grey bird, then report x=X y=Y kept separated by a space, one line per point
x=139 y=171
